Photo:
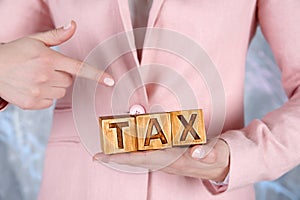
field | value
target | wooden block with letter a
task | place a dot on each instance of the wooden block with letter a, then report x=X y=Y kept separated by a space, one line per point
x=118 y=134
x=188 y=127
x=154 y=131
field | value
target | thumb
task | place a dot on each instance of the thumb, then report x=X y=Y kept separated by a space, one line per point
x=56 y=36
x=205 y=153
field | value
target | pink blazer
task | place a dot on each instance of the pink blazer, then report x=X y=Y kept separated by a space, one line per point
x=263 y=150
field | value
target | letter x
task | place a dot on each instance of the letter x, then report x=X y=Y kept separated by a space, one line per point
x=188 y=127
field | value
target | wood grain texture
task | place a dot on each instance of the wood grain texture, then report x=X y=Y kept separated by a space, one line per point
x=188 y=127
x=118 y=134
x=154 y=131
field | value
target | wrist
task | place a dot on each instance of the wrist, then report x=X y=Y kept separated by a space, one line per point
x=223 y=171
x=222 y=175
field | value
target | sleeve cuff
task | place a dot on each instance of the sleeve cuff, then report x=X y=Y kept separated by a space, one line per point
x=213 y=188
x=223 y=183
x=3 y=104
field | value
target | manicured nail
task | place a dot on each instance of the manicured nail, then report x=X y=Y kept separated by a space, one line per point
x=95 y=158
x=67 y=26
x=198 y=153
x=109 y=81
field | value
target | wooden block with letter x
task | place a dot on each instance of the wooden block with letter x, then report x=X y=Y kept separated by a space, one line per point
x=188 y=127
x=118 y=134
x=154 y=131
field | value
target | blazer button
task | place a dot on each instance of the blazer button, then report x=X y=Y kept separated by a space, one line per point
x=137 y=109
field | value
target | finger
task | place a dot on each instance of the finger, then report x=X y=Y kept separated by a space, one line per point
x=170 y=170
x=116 y=158
x=133 y=159
x=153 y=160
x=56 y=36
x=37 y=105
x=54 y=93
x=137 y=159
x=101 y=157
x=61 y=79
x=44 y=103
x=81 y=69
x=206 y=153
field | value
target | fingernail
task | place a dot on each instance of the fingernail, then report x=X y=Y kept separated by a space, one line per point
x=109 y=81
x=198 y=153
x=67 y=26
x=95 y=158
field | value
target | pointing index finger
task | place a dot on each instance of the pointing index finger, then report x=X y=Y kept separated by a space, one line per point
x=81 y=69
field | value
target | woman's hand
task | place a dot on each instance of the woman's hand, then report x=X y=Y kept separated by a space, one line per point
x=209 y=161
x=32 y=75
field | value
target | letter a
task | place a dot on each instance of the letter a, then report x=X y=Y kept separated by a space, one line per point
x=154 y=131
x=160 y=134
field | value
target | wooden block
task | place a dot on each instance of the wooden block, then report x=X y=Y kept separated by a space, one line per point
x=118 y=134
x=154 y=131
x=188 y=127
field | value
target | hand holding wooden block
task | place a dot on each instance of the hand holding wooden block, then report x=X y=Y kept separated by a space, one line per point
x=152 y=131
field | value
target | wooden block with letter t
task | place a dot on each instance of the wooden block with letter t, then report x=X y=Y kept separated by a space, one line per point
x=188 y=127
x=154 y=131
x=118 y=134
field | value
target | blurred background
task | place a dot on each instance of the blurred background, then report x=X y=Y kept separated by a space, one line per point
x=24 y=134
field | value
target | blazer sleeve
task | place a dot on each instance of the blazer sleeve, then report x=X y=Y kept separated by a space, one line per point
x=267 y=148
x=23 y=17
